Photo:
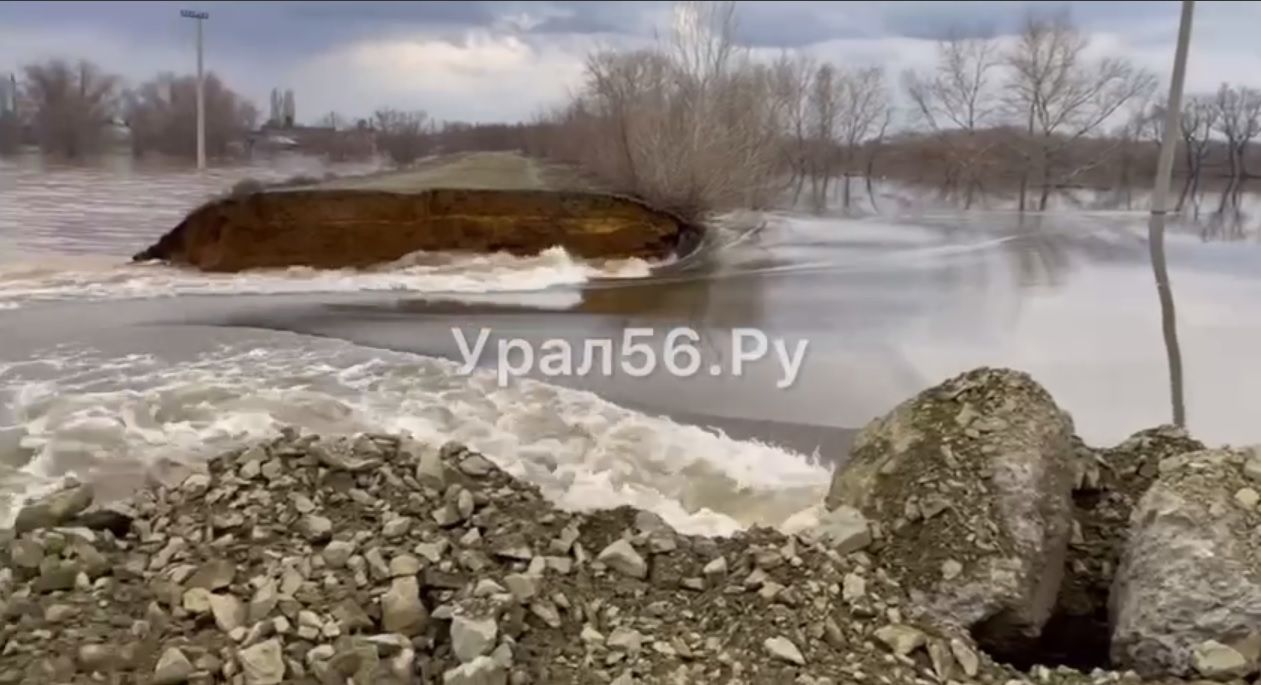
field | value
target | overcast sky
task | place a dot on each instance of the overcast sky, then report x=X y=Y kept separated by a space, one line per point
x=504 y=61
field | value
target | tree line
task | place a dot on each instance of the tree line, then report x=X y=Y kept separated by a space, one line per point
x=699 y=123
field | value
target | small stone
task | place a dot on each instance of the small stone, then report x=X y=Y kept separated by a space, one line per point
x=228 y=611
x=433 y=551
x=472 y=637
x=783 y=649
x=26 y=554
x=476 y=465
x=844 y=529
x=376 y=564
x=315 y=529
x=547 y=612
x=302 y=503
x=53 y=510
x=853 y=587
x=901 y=639
x=561 y=565
x=481 y=671
x=625 y=639
x=487 y=587
x=196 y=601
x=716 y=568
x=337 y=553
x=1252 y=467
x=213 y=575
x=95 y=657
x=950 y=569
x=966 y=657
x=1215 y=660
x=401 y=609
x=1247 y=498
x=404 y=565
x=521 y=586
x=694 y=584
x=622 y=557
x=173 y=668
x=396 y=527
x=57 y=613
x=196 y=484
x=590 y=635
x=264 y=600
x=351 y=617
x=263 y=664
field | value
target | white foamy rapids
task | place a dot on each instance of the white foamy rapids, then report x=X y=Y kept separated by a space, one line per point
x=96 y=278
x=77 y=412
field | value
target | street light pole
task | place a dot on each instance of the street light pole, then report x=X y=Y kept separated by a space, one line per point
x=201 y=88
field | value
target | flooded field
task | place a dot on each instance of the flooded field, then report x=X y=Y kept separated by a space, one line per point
x=107 y=368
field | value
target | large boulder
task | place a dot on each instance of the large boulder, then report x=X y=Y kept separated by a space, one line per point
x=969 y=485
x=1109 y=484
x=1189 y=583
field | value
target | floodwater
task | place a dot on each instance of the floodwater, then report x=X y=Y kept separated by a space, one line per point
x=109 y=369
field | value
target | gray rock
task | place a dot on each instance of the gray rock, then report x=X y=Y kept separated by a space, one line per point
x=263 y=664
x=993 y=443
x=264 y=600
x=228 y=611
x=401 y=609
x=213 y=575
x=1215 y=660
x=196 y=600
x=901 y=639
x=1187 y=573
x=966 y=657
x=26 y=553
x=476 y=465
x=172 y=668
x=396 y=527
x=521 y=586
x=404 y=565
x=783 y=649
x=715 y=569
x=481 y=671
x=337 y=553
x=54 y=509
x=472 y=636
x=844 y=529
x=96 y=657
x=315 y=529
x=351 y=617
x=622 y=557
x=625 y=639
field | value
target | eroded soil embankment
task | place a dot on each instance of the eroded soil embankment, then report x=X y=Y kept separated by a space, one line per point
x=358 y=228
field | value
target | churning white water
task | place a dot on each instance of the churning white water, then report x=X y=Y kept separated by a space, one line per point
x=107 y=278
x=76 y=411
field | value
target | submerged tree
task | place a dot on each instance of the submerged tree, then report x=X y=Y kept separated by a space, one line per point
x=72 y=105
x=1063 y=97
x=162 y=114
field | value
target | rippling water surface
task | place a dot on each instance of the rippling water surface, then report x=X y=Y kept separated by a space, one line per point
x=108 y=368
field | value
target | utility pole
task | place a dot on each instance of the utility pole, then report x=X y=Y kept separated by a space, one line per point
x=1156 y=226
x=201 y=89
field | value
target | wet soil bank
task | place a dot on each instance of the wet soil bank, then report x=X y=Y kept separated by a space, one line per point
x=339 y=228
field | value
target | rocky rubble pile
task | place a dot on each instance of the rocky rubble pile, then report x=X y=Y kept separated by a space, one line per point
x=382 y=560
x=378 y=559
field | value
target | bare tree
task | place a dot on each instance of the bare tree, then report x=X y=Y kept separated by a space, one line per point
x=404 y=136
x=1199 y=118
x=959 y=97
x=793 y=76
x=162 y=115
x=72 y=105
x=826 y=93
x=1064 y=96
x=864 y=112
x=1239 y=121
